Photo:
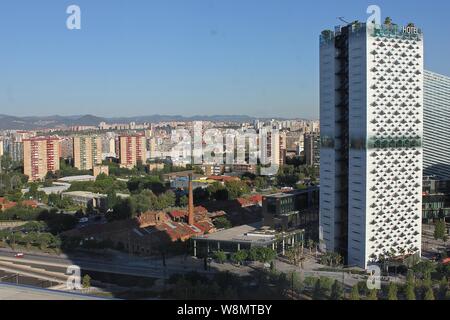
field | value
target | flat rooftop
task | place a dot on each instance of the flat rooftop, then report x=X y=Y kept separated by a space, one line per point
x=246 y=233
x=13 y=292
x=77 y=178
x=279 y=195
x=293 y=192
x=84 y=194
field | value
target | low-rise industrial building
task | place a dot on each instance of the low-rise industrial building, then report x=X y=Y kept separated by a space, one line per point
x=88 y=199
x=245 y=237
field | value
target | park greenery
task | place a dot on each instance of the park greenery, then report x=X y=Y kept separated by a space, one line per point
x=12 y=180
x=41 y=231
x=138 y=203
x=103 y=184
x=260 y=254
x=222 y=223
x=295 y=176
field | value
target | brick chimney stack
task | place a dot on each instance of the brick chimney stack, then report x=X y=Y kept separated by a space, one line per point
x=191 y=202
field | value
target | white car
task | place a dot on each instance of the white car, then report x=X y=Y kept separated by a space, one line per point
x=83 y=220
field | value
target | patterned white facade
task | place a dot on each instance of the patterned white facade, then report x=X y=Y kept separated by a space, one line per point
x=371 y=155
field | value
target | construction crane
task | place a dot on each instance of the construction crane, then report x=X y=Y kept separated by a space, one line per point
x=342 y=20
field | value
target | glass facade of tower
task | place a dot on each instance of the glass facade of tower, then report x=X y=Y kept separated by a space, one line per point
x=436 y=160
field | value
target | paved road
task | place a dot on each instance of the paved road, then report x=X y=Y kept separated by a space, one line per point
x=133 y=267
x=348 y=279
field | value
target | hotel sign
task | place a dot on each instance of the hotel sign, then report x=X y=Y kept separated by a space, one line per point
x=411 y=30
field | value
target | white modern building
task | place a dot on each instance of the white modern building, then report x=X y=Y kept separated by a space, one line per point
x=371 y=105
x=436 y=129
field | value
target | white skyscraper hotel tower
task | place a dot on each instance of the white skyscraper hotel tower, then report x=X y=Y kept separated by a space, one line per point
x=371 y=114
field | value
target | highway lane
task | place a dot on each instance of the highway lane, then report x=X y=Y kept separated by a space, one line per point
x=89 y=264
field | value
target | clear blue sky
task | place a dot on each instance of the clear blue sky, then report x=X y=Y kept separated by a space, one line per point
x=142 y=57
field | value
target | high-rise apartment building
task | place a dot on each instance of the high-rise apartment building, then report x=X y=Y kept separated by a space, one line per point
x=109 y=145
x=436 y=130
x=66 y=147
x=1 y=148
x=87 y=152
x=15 y=151
x=371 y=113
x=133 y=149
x=312 y=149
x=41 y=155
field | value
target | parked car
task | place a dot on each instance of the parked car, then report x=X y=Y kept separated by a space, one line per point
x=83 y=220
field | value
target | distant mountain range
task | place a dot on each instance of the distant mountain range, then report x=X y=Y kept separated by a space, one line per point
x=33 y=123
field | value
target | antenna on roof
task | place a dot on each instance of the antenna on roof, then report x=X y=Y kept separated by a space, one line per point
x=342 y=20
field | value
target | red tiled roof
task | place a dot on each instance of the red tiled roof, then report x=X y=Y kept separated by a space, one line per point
x=200 y=209
x=3 y=200
x=177 y=214
x=9 y=205
x=250 y=201
x=30 y=203
x=177 y=231
x=204 y=226
x=244 y=202
x=256 y=198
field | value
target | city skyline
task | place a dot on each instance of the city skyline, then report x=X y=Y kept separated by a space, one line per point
x=224 y=150
x=199 y=58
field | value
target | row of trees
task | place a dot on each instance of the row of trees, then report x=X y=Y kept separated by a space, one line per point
x=260 y=254
x=291 y=175
x=231 y=190
x=40 y=240
x=103 y=184
x=12 y=180
x=139 y=203
x=55 y=222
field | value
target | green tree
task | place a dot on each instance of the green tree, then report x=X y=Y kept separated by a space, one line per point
x=220 y=256
x=410 y=286
x=427 y=281
x=236 y=189
x=337 y=292
x=218 y=191
x=317 y=291
x=86 y=281
x=440 y=231
x=392 y=291
x=354 y=294
x=143 y=201
x=429 y=294
x=296 y=281
x=111 y=199
x=121 y=211
x=373 y=295
x=183 y=201
x=424 y=267
x=239 y=257
x=222 y=223
x=443 y=287
x=410 y=292
x=261 y=183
